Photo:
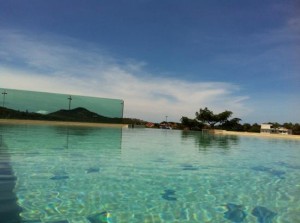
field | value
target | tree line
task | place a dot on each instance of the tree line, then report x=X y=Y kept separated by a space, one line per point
x=206 y=119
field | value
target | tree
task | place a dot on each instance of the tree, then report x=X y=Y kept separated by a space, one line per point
x=208 y=117
x=232 y=125
x=288 y=125
x=191 y=123
x=296 y=129
x=255 y=128
x=246 y=127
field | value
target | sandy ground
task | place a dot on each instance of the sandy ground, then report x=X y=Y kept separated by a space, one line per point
x=264 y=135
x=59 y=123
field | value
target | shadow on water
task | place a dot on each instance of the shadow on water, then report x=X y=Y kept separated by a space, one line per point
x=207 y=141
x=9 y=210
x=62 y=137
x=71 y=144
x=75 y=131
x=99 y=135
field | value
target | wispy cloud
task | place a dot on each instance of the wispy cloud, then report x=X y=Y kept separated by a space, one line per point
x=68 y=66
x=273 y=52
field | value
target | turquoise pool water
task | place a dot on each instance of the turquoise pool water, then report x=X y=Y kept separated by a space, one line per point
x=63 y=174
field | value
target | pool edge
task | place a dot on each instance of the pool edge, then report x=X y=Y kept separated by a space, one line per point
x=60 y=123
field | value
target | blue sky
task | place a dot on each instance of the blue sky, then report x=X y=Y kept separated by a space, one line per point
x=164 y=58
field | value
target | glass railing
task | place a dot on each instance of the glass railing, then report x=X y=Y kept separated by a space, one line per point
x=21 y=104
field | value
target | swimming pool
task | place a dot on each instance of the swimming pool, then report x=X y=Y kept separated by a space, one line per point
x=79 y=174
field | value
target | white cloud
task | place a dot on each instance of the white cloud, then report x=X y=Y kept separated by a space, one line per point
x=58 y=66
x=43 y=112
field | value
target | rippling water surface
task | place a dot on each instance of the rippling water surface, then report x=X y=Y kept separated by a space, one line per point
x=64 y=174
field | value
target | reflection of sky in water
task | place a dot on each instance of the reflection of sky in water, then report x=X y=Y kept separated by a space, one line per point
x=150 y=175
x=44 y=103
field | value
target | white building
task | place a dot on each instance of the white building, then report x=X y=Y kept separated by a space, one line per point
x=284 y=131
x=268 y=128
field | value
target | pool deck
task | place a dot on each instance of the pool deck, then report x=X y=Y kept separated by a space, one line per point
x=59 y=123
x=262 y=135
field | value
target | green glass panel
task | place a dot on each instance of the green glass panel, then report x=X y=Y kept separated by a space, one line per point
x=33 y=102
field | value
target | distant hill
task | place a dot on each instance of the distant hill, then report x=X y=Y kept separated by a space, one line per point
x=77 y=114
x=8 y=113
x=81 y=114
